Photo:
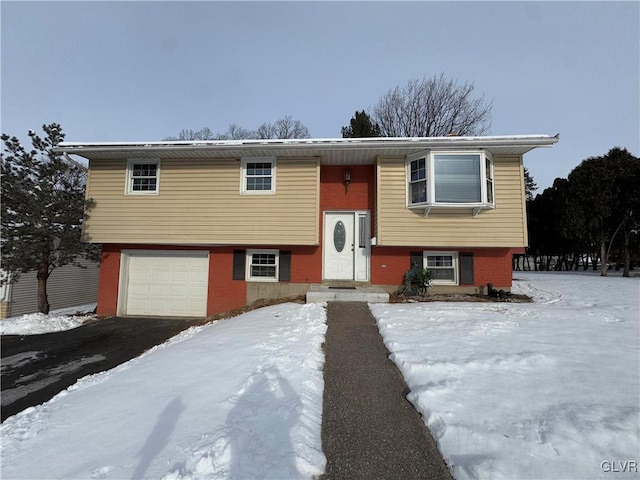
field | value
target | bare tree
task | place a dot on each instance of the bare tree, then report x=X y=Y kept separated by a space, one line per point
x=236 y=132
x=432 y=107
x=286 y=127
x=188 y=134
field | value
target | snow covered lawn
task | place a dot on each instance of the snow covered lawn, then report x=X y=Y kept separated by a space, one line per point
x=238 y=398
x=56 y=321
x=547 y=390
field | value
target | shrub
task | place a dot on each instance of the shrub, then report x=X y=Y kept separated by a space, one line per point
x=417 y=281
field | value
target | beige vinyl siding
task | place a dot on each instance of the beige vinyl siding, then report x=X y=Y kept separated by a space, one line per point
x=199 y=202
x=505 y=226
x=67 y=286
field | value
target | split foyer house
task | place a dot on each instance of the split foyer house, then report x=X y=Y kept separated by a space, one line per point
x=196 y=228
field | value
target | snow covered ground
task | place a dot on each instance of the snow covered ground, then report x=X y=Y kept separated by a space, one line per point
x=56 y=321
x=238 y=398
x=547 y=390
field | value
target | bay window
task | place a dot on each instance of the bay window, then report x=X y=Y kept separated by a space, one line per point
x=450 y=179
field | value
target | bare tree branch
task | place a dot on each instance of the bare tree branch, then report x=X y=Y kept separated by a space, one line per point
x=432 y=107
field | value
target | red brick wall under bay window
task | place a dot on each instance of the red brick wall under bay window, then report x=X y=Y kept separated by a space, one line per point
x=491 y=265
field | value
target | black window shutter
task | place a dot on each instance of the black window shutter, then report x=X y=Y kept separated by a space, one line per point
x=416 y=257
x=285 y=266
x=466 y=269
x=239 y=257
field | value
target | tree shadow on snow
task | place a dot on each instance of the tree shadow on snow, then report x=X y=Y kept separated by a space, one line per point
x=259 y=426
x=159 y=436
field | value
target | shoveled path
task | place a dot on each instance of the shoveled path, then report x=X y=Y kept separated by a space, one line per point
x=369 y=429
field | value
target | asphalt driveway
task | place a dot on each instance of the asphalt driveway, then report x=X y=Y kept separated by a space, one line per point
x=34 y=368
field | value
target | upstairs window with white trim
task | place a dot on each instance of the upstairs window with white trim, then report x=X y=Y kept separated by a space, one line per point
x=143 y=176
x=450 y=179
x=262 y=265
x=443 y=267
x=258 y=176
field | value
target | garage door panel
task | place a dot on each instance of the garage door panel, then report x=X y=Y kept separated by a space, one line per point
x=167 y=283
x=159 y=291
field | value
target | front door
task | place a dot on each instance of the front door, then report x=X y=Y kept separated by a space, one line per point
x=346 y=246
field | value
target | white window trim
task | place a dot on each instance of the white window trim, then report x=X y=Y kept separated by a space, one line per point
x=243 y=175
x=128 y=187
x=455 y=266
x=429 y=157
x=251 y=278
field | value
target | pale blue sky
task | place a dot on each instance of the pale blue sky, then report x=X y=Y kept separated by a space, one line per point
x=127 y=71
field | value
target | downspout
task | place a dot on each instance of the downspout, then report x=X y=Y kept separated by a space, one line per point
x=74 y=162
x=5 y=293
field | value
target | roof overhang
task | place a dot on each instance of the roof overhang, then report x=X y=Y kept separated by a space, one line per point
x=331 y=151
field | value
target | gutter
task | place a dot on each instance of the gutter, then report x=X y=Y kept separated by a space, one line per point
x=531 y=141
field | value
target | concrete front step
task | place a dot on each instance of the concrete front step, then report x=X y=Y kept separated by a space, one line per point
x=326 y=293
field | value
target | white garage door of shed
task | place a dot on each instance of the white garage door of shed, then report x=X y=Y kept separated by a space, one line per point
x=166 y=283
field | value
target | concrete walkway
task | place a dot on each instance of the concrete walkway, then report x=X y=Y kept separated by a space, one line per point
x=369 y=429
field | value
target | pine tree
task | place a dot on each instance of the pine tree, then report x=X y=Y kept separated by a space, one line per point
x=361 y=126
x=43 y=205
x=530 y=185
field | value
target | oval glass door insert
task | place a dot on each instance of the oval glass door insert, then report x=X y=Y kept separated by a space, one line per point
x=339 y=236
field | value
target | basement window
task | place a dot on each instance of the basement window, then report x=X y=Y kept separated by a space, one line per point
x=262 y=265
x=443 y=267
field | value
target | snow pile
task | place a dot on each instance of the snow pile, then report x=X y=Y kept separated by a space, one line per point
x=238 y=398
x=528 y=391
x=56 y=321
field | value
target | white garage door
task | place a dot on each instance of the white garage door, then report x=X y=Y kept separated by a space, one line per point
x=165 y=283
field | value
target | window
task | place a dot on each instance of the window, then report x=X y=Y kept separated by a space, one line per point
x=450 y=179
x=258 y=176
x=457 y=178
x=418 y=181
x=488 y=168
x=262 y=265
x=443 y=267
x=143 y=176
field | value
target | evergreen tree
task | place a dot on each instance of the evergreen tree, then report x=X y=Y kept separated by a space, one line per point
x=605 y=194
x=595 y=212
x=43 y=205
x=361 y=126
x=530 y=185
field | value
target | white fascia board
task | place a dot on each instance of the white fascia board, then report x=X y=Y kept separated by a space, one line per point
x=348 y=143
